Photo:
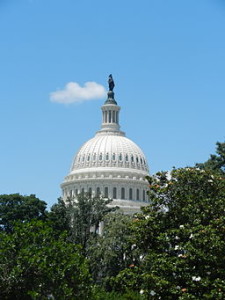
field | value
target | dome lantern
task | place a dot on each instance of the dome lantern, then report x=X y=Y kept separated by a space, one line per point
x=110 y=111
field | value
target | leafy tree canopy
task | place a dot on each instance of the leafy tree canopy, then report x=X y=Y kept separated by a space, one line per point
x=86 y=214
x=15 y=207
x=110 y=252
x=216 y=162
x=34 y=264
x=180 y=237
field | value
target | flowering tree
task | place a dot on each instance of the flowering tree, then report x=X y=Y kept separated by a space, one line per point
x=181 y=238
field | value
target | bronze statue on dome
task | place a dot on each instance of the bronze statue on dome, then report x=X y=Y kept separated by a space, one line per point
x=111 y=83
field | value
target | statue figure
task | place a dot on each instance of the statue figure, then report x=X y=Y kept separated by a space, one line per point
x=111 y=82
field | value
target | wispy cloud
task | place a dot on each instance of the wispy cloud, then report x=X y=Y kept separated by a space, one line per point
x=73 y=93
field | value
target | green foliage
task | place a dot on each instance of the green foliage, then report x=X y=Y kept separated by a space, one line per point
x=101 y=294
x=34 y=264
x=110 y=252
x=59 y=216
x=181 y=238
x=86 y=213
x=16 y=207
x=216 y=162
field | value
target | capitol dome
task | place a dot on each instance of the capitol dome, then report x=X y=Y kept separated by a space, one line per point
x=110 y=165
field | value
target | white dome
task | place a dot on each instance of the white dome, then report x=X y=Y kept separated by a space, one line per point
x=109 y=151
x=110 y=165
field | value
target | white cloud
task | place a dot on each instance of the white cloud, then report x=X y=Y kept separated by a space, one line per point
x=73 y=92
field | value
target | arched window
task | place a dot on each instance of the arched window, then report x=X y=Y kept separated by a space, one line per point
x=94 y=156
x=100 y=156
x=82 y=191
x=90 y=192
x=88 y=158
x=107 y=156
x=106 y=192
x=126 y=157
x=71 y=193
x=114 y=193
x=120 y=156
x=98 y=192
x=130 y=194
x=132 y=158
x=114 y=156
x=143 y=195
x=137 y=159
x=137 y=194
x=122 y=193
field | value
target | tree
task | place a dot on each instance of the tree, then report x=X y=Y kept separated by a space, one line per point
x=59 y=216
x=35 y=264
x=216 y=162
x=181 y=238
x=110 y=252
x=86 y=214
x=15 y=207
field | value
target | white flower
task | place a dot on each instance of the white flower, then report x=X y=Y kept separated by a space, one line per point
x=176 y=247
x=147 y=217
x=191 y=236
x=152 y=293
x=181 y=226
x=141 y=292
x=196 y=278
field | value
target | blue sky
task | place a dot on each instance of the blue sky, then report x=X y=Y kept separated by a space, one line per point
x=168 y=62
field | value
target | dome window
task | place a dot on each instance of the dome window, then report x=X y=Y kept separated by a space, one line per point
x=83 y=157
x=126 y=157
x=123 y=193
x=106 y=192
x=143 y=195
x=98 y=192
x=94 y=156
x=130 y=194
x=88 y=158
x=137 y=160
x=100 y=156
x=114 y=156
x=107 y=156
x=114 y=193
x=141 y=161
x=132 y=158
x=90 y=192
x=120 y=157
x=137 y=194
